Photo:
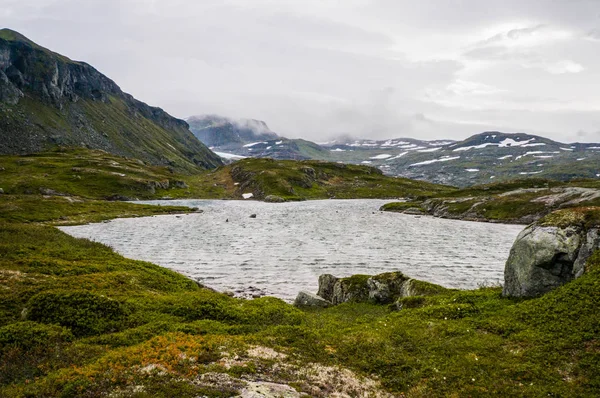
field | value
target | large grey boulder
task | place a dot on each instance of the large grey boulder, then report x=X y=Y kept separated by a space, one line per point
x=546 y=257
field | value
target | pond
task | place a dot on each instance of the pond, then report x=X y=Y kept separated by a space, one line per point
x=288 y=245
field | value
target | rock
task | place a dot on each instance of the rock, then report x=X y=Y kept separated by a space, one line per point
x=381 y=289
x=307 y=299
x=414 y=211
x=180 y=184
x=274 y=199
x=1 y=191
x=264 y=389
x=385 y=288
x=117 y=197
x=50 y=192
x=326 y=285
x=546 y=257
x=252 y=215
x=590 y=244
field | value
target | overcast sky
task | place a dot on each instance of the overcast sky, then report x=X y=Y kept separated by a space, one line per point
x=317 y=68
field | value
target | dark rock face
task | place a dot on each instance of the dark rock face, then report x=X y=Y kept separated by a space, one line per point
x=47 y=100
x=546 y=257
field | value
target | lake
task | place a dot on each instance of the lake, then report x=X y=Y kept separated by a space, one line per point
x=288 y=245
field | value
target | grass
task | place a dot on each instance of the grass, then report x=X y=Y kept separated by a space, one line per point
x=517 y=201
x=77 y=319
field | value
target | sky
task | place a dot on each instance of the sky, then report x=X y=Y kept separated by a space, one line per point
x=316 y=69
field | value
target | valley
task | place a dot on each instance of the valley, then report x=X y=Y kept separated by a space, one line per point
x=78 y=319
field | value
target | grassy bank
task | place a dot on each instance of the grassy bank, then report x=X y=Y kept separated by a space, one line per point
x=520 y=201
x=77 y=319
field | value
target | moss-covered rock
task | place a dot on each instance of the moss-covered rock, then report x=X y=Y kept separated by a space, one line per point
x=551 y=252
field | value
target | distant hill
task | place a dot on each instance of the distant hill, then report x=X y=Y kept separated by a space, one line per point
x=47 y=100
x=235 y=139
x=480 y=159
x=483 y=158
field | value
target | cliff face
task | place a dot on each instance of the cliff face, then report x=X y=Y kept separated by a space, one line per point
x=47 y=99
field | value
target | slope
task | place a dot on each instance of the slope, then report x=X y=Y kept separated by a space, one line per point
x=48 y=100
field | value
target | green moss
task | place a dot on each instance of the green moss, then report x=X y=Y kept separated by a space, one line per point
x=29 y=335
x=582 y=216
x=82 y=312
x=401 y=206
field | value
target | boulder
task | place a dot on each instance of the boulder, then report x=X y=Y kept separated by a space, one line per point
x=307 y=299
x=381 y=289
x=545 y=257
x=385 y=288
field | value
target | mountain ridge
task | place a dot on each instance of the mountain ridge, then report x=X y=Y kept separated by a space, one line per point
x=49 y=100
x=481 y=158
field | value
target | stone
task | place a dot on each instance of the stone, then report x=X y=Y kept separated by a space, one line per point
x=1 y=191
x=544 y=257
x=307 y=299
x=387 y=287
x=252 y=215
x=274 y=199
x=326 y=285
x=590 y=244
x=381 y=289
x=413 y=211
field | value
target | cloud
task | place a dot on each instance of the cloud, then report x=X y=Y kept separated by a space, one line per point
x=378 y=68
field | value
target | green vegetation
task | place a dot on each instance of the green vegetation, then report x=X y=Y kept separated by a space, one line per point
x=312 y=179
x=77 y=319
x=520 y=201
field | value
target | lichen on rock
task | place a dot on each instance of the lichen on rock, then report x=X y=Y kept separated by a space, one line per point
x=551 y=252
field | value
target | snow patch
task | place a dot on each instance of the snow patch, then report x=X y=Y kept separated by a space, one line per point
x=510 y=142
x=337 y=150
x=398 y=156
x=531 y=172
x=366 y=162
x=505 y=157
x=444 y=159
x=247 y=195
x=535 y=144
x=226 y=155
x=430 y=149
x=466 y=148
x=254 y=143
x=472 y=170
x=566 y=149
x=380 y=157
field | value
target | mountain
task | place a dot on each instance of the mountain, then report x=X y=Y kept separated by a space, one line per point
x=235 y=139
x=482 y=158
x=48 y=100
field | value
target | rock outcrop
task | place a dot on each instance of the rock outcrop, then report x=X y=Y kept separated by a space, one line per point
x=384 y=288
x=549 y=253
x=48 y=100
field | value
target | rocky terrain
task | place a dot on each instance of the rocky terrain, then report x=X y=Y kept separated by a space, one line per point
x=48 y=100
x=519 y=201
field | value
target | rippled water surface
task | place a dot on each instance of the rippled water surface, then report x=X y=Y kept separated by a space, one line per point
x=288 y=245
